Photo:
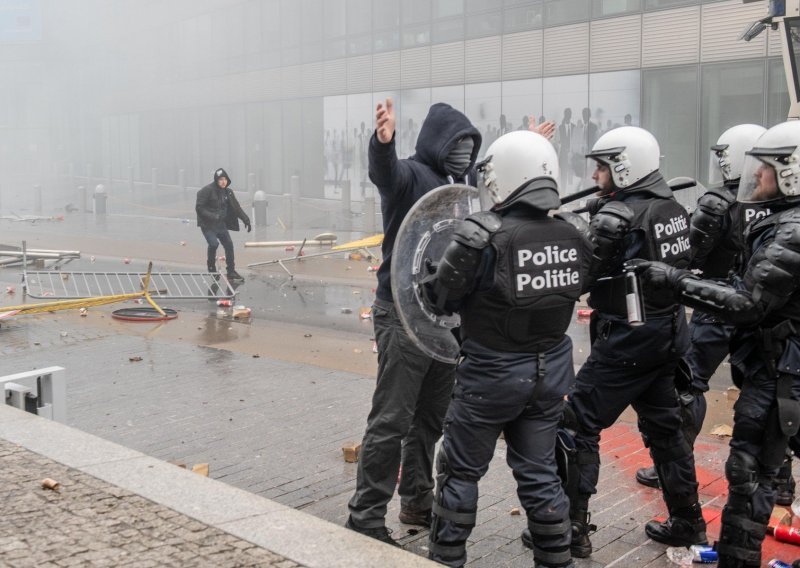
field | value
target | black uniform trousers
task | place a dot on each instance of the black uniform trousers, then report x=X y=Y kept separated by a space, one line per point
x=635 y=366
x=757 y=440
x=522 y=396
x=404 y=424
x=710 y=344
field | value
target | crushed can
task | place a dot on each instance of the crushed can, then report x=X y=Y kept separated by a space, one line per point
x=703 y=554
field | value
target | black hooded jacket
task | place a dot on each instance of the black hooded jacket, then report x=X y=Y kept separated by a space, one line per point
x=402 y=182
x=216 y=206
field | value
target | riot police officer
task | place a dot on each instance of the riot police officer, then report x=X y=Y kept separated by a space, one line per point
x=764 y=304
x=513 y=274
x=635 y=365
x=715 y=234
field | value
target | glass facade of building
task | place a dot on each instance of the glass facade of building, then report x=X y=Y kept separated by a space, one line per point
x=288 y=87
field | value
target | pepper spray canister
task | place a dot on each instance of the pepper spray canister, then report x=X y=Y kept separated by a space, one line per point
x=633 y=299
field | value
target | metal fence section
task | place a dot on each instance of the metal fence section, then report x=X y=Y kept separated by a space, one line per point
x=163 y=285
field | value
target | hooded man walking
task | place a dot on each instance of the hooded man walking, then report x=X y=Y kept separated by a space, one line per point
x=218 y=211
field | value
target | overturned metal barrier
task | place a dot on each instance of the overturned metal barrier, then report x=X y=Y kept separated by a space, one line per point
x=61 y=285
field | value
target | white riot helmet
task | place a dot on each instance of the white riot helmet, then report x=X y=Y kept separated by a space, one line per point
x=771 y=169
x=513 y=160
x=630 y=152
x=727 y=155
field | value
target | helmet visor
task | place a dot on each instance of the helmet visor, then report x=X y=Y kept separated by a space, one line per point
x=769 y=174
x=719 y=165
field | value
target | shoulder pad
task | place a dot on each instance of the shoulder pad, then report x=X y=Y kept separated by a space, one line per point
x=476 y=230
x=715 y=202
x=617 y=209
x=576 y=221
x=487 y=219
x=788 y=233
x=613 y=220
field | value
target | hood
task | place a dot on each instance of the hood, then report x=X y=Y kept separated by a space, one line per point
x=440 y=131
x=653 y=183
x=219 y=172
x=540 y=193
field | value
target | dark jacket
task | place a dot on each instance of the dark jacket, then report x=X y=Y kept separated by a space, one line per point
x=402 y=182
x=211 y=202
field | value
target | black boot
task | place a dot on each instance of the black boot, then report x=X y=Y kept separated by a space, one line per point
x=684 y=527
x=784 y=484
x=648 y=476
x=234 y=276
x=581 y=546
x=212 y=268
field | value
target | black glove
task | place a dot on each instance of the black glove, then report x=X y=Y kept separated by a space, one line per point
x=427 y=288
x=658 y=276
x=596 y=204
x=247 y=225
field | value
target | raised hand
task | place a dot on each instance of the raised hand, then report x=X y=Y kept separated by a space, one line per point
x=546 y=129
x=385 y=121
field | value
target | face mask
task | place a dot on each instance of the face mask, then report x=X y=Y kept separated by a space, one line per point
x=459 y=158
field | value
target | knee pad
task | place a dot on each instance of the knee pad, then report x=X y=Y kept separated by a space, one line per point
x=741 y=471
x=565 y=458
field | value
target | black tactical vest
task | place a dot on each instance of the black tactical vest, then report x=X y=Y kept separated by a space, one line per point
x=662 y=227
x=539 y=272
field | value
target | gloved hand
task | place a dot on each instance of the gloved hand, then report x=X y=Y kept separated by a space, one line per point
x=427 y=288
x=658 y=276
x=247 y=225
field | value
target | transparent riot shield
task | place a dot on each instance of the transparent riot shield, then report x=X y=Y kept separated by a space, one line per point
x=424 y=234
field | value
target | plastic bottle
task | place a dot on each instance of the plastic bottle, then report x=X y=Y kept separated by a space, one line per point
x=680 y=555
x=796 y=507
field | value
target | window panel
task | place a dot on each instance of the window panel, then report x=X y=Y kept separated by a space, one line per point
x=669 y=111
x=563 y=101
x=416 y=35
x=523 y=18
x=448 y=30
x=477 y=6
x=483 y=104
x=359 y=16
x=777 y=93
x=415 y=11
x=385 y=14
x=731 y=94
x=604 y=8
x=565 y=11
x=335 y=18
x=484 y=25
x=447 y=8
x=662 y=4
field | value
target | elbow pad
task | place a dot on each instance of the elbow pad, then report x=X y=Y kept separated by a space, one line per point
x=461 y=257
x=459 y=264
x=706 y=226
x=609 y=228
x=576 y=221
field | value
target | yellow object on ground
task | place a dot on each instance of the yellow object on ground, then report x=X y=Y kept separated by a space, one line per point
x=373 y=241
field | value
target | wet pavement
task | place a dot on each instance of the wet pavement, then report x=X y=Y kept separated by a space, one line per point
x=270 y=402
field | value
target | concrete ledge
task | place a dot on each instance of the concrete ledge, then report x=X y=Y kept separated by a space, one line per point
x=285 y=531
